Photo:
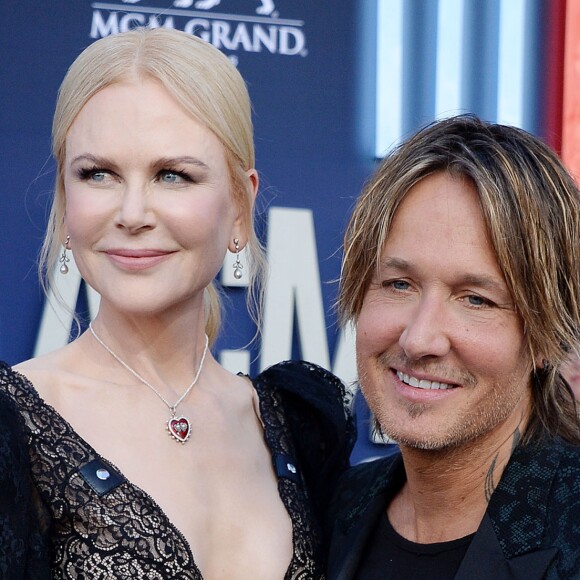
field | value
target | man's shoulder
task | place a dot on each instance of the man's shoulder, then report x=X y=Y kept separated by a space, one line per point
x=543 y=466
x=551 y=457
x=539 y=497
x=565 y=491
x=570 y=454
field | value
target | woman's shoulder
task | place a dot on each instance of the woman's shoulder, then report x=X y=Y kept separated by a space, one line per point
x=309 y=382
x=10 y=427
x=41 y=379
x=14 y=384
x=18 y=385
x=317 y=409
x=313 y=398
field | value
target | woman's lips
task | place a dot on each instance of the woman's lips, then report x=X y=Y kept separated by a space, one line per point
x=137 y=259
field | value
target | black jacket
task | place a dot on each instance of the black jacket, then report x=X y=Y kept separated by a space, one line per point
x=530 y=530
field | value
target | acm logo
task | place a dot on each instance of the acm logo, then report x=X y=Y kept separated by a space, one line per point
x=266 y=7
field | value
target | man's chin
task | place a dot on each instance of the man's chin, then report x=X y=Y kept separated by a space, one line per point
x=423 y=440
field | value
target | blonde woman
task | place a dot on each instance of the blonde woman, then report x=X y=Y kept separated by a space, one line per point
x=150 y=459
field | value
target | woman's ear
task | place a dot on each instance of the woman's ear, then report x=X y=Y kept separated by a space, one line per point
x=62 y=235
x=254 y=182
x=240 y=229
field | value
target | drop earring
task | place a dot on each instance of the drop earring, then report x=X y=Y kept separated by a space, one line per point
x=237 y=265
x=64 y=259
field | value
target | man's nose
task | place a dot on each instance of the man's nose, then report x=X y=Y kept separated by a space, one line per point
x=427 y=330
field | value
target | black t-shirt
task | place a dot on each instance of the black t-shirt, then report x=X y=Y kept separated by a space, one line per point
x=390 y=556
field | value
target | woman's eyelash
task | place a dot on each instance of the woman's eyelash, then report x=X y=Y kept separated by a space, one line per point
x=86 y=172
x=181 y=174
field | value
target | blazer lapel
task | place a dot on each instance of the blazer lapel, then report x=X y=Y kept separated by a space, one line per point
x=372 y=486
x=485 y=559
x=348 y=545
x=509 y=542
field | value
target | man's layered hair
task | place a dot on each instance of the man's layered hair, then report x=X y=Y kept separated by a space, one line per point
x=531 y=208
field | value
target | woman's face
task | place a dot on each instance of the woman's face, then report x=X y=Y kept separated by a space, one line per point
x=149 y=207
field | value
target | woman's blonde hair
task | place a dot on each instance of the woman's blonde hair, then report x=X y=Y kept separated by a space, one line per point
x=208 y=87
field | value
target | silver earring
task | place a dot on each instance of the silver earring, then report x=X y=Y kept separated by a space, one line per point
x=64 y=259
x=237 y=264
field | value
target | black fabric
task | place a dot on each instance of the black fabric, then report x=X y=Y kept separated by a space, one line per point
x=121 y=532
x=22 y=541
x=316 y=406
x=530 y=530
x=389 y=556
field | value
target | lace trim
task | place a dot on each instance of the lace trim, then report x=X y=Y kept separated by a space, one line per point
x=125 y=533
x=294 y=496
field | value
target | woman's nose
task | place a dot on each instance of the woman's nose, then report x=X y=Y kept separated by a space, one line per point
x=135 y=212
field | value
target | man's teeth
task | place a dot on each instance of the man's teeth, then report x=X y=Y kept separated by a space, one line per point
x=422 y=384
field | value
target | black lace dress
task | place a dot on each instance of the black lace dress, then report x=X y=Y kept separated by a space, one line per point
x=22 y=547
x=98 y=525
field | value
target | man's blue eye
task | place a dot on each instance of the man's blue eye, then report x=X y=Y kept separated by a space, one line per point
x=477 y=300
x=400 y=285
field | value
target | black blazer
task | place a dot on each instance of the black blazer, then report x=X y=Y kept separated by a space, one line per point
x=530 y=530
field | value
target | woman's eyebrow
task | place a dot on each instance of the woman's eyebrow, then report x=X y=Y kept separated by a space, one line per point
x=185 y=159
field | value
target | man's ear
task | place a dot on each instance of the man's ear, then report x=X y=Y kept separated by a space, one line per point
x=541 y=363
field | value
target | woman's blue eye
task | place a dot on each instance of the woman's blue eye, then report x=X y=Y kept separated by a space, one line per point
x=174 y=177
x=92 y=174
x=170 y=177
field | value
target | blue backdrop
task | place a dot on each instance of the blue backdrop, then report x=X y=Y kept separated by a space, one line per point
x=313 y=116
x=311 y=69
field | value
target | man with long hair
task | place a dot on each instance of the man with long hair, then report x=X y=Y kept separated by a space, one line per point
x=461 y=275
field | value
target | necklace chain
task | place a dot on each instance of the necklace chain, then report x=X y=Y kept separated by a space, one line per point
x=171 y=407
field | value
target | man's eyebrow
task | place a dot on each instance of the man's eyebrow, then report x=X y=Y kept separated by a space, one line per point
x=396 y=264
x=482 y=281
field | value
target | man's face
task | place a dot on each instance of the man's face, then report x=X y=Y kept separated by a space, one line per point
x=571 y=372
x=441 y=352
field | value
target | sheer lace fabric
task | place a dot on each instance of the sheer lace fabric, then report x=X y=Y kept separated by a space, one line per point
x=124 y=533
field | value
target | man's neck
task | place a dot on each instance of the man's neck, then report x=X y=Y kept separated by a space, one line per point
x=447 y=492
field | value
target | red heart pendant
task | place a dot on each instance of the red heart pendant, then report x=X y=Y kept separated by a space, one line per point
x=179 y=428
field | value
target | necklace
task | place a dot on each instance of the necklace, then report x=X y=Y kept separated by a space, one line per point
x=178 y=427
